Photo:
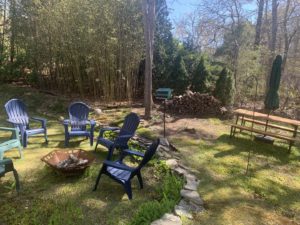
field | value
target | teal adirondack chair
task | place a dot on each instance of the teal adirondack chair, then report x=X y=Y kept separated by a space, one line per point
x=14 y=142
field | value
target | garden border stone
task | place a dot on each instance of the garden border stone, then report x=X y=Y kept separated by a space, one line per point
x=191 y=201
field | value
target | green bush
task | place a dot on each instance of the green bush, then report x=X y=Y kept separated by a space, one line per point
x=225 y=90
x=200 y=77
x=170 y=196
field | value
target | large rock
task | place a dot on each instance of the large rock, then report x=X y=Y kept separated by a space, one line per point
x=98 y=111
x=191 y=196
x=168 y=219
x=172 y=163
x=189 y=206
x=165 y=143
x=180 y=171
x=163 y=154
x=192 y=182
x=183 y=210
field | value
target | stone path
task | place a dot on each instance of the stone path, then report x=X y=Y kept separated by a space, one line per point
x=191 y=201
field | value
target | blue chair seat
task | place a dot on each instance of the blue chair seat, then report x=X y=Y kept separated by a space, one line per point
x=119 y=174
x=79 y=133
x=35 y=131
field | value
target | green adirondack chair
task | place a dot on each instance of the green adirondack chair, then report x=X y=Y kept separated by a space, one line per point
x=6 y=165
x=14 y=142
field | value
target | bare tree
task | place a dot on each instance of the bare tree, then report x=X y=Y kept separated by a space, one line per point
x=289 y=34
x=274 y=26
x=149 y=28
x=259 y=22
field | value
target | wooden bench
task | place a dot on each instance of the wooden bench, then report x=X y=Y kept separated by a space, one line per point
x=291 y=140
x=264 y=123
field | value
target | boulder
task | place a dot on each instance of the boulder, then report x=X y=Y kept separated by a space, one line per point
x=168 y=219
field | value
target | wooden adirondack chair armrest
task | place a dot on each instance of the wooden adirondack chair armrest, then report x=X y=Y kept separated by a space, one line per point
x=118 y=165
x=103 y=130
x=132 y=152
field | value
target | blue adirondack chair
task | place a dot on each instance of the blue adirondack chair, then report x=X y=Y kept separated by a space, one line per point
x=78 y=121
x=17 y=115
x=6 y=165
x=14 y=142
x=127 y=131
x=122 y=173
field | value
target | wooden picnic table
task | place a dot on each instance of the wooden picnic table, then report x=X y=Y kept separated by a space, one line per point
x=268 y=122
x=244 y=112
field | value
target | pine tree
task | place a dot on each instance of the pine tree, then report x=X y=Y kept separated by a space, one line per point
x=225 y=90
x=179 y=78
x=200 y=77
x=164 y=48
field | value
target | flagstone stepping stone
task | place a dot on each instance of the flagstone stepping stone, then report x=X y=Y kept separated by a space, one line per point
x=180 y=171
x=98 y=111
x=192 y=182
x=168 y=219
x=172 y=163
x=192 y=196
x=183 y=210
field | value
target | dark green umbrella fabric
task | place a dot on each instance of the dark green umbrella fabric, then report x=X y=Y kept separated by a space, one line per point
x=272 y=98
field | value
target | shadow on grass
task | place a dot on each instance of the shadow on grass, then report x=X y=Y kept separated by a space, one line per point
x=244 y=144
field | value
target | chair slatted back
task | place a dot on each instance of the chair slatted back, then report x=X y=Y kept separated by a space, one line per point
x=17 y=111
x=149 y=153
x=130 y=124
x=78 y=114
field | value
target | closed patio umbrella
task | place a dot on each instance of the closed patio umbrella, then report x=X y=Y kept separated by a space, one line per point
x=272 y=97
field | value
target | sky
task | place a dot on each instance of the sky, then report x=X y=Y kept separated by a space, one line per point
x=180 y=8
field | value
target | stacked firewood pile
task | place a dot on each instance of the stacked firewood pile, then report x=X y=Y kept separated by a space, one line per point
x=194 y=103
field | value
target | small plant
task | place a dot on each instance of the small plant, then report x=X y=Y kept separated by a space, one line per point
x=170 y=195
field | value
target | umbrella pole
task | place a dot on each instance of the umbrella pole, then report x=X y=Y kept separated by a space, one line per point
x=267 y=122
x=253 y=116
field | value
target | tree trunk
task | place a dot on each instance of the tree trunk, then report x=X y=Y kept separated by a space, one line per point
x=13 y=29
x=3 y=28
x=272 y=45
x=274 y=26
x=259 y=22
x=287 y=38
x=149 y=23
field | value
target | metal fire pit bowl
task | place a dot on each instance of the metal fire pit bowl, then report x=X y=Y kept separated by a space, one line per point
x=53 y=158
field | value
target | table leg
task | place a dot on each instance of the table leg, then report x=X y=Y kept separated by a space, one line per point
x=242 y=122
x=236 y=122
x=294 y=136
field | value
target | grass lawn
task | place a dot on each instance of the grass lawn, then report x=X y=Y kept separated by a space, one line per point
x=47 y=198
x=269 y=195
